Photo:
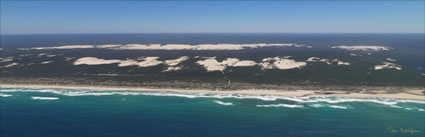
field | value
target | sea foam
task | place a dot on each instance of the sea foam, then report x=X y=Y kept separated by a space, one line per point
x=316 y=105
x=281 y=105
x=44 y=98
x=338 y=107
x=4 y=95
x=223 y=103
x=331 y=106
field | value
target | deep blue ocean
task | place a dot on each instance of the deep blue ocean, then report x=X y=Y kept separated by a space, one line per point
x=91 y=113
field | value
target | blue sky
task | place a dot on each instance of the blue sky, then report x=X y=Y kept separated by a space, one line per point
x=28 y=17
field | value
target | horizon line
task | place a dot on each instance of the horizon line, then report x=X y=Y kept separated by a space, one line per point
x=220 y=33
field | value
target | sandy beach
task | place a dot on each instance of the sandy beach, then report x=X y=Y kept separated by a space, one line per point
x=414 y=94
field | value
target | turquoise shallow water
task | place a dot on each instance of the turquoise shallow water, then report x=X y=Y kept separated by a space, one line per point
x=56 y=113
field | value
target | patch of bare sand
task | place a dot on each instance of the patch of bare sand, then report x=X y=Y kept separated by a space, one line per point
x=60 y=47
x=387 y=65
x=327 y=61
x=362 y=48
x=281 y=63
x=94 y=61
x=211 y=64
x=171 y=46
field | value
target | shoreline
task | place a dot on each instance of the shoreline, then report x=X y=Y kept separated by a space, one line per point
x=296 y=93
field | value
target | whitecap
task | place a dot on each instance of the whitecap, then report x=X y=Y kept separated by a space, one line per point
x=408 y=108
x=317 y=105
x=395 y=106
x=223 y=103
x=44 y=98
x=281 y=105
x=338 y=107
x=414 y=108
x=342 y=100
x=5 y=95
x=411 y=101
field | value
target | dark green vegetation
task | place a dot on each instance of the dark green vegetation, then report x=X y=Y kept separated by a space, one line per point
x=407 y=49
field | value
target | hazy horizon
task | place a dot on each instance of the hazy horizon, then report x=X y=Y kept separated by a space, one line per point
x=88 y=33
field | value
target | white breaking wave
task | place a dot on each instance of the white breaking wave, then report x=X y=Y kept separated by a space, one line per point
x=337 y=106
x=44 y=98
x=281 y=105
x=331 y=106
x=5 y=95
x=317 y=105
x=223 y=103
x=411 y=101
x=331 y=100
x=414 y=108
x=408 y=108
x=394 y=106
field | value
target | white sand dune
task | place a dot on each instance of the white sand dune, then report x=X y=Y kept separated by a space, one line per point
x=94 y=61
x=210 y=63
x=174 y=62
x=317 y=59
x=68 y=58
x=10 y=65
x=145 y=62
x=327 y=61
x=125 y=63
x=172 y=68
x=313 y=59
x=107 y=46
x=149 y=62
x=42 y=54
x=6 y=59
x=46 y=62
x=60 y=47
x=388 y=65
x=284 y=63
x=392 y=60
x=51 y=56
x=352 y=54
x=25 y=55
x=170 y=46
x=362 y=48
x=339 y=62
x=343 y=63
x=244 y=63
